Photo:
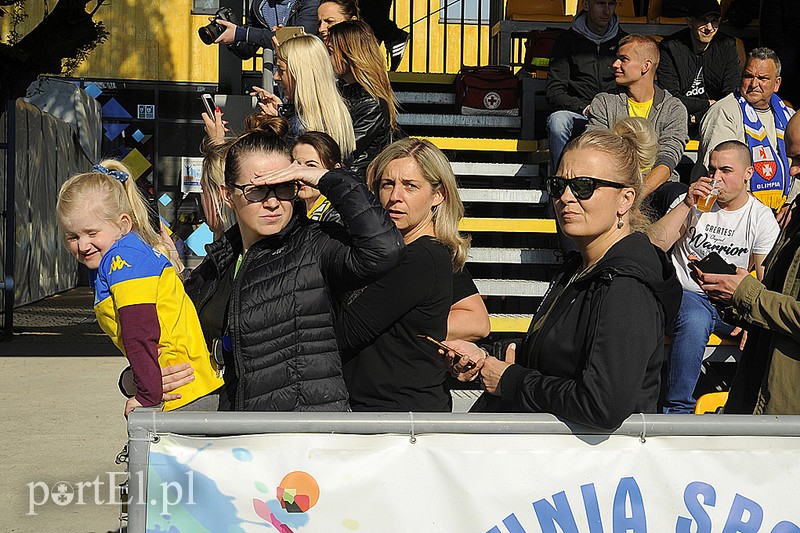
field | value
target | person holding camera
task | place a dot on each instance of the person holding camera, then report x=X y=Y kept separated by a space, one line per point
x=264 y=19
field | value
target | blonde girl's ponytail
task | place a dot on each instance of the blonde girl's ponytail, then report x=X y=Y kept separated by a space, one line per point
x=117 y=194
x=140 y=215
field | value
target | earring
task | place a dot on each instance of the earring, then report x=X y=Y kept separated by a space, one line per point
x=620 y=222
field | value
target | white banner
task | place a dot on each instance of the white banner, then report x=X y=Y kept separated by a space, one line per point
x=473 y=483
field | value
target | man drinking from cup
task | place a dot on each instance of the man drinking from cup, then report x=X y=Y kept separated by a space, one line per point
x=737 y=227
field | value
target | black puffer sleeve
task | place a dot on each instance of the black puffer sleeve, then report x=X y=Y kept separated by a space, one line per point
x=373 y=244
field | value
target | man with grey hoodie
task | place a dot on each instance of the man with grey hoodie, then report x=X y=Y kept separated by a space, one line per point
x=579 y=69
x=637 y=95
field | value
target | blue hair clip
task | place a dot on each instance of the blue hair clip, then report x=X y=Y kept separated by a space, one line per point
x=120 y=175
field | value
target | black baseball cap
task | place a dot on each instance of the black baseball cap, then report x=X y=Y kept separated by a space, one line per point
x=702 y=8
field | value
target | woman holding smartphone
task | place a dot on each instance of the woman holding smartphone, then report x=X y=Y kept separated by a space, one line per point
x=595 y=347
x=313 y=103
x=387 y=367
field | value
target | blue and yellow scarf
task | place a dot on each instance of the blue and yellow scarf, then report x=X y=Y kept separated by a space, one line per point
x=771 y=180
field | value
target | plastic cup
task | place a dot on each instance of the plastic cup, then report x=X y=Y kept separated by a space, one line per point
x=707 y=202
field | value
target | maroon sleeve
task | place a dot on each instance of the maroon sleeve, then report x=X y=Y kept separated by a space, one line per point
x=140 y=333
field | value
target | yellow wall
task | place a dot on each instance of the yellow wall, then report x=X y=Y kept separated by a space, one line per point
x=149 y=40
x=434 y=41
x=157 y=40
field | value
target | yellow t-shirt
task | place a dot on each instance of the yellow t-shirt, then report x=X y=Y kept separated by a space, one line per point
x=639 y=109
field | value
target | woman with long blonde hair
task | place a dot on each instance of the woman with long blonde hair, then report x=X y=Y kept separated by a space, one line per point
x=387 y=366
x=365 y=87
x=594 y=351
x=313 y=103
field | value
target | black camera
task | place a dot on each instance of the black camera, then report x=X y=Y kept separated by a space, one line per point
x=210 y=33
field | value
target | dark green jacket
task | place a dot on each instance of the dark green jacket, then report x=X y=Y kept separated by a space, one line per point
x=768 y=378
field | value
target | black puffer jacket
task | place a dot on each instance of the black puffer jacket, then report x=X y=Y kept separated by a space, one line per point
x=594 y=352
x=371 y=124
x=679 y=65
x=281 y=310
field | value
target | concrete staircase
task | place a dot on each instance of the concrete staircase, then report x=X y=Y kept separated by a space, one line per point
x=514 y=252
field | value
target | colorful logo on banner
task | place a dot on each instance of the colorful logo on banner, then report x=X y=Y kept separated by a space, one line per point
x=301 y=483
x=297 y=493
x=181 y=489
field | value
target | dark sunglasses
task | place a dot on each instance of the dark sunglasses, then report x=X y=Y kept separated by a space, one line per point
x=582 y=186
x=283 y=191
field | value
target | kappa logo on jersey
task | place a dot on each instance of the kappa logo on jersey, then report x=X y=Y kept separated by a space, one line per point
x=118 y=263
x=764 y=163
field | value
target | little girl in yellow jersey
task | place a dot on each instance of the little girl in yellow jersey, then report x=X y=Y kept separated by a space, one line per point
x=139 y=297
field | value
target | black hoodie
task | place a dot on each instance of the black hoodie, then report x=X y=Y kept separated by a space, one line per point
x=594 y=351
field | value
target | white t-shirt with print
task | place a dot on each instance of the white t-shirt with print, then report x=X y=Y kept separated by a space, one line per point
x=734 y=235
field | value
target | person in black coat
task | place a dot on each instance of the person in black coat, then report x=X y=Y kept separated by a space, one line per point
x=265 y=17
x=594 y=350
x=284 y=275
x=365 y=87
x=698 y=64
x=387 y=366
x=580 y=69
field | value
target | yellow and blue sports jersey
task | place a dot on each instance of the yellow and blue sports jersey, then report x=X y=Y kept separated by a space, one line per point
x=131 y=273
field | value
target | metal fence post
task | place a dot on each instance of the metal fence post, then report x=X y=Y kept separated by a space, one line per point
x=10 y=213
x=139 y=439
x=268 y=67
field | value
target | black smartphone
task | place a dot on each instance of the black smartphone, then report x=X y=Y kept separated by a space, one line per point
x=440 y=345
x=713 y=263
x=208 y=102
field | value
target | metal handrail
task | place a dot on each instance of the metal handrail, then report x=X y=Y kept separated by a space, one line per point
x=429 y=48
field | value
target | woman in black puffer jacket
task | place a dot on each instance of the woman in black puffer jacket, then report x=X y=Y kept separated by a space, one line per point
x=365 y=88
x=283 y=272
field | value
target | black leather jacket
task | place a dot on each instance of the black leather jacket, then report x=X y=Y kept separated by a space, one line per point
x=371 y=124
x=280 y=314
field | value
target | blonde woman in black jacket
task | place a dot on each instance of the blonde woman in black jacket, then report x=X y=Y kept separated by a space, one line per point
x=365 y=87
x=595 y=347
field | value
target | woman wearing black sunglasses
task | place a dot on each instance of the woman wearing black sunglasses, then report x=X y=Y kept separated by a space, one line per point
x=267 y=287
x=594 y=350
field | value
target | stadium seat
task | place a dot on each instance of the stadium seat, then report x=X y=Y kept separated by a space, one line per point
x=710 y=403
x=538 y=11
x=742 y=52
x=654 y=14
x=573 y=7
x=627 y=13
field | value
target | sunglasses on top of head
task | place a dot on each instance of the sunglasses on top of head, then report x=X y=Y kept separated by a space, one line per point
x=283 y=191
x=582 y=187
